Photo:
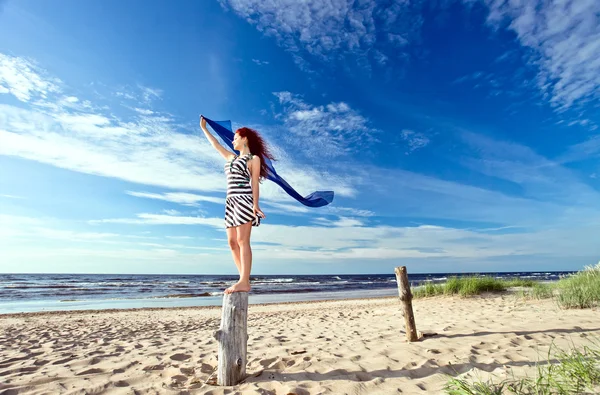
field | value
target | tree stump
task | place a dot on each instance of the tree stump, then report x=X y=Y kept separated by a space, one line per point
x=233 y=339
x=406 y=298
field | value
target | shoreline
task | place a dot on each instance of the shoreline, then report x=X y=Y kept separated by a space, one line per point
x=40 y=306
x=215 y=301
x=180 y=308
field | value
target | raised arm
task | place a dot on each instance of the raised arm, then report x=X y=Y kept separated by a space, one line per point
x=228 y=155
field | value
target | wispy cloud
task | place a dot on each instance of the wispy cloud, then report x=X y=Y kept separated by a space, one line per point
x=582 y=151
x=260 y=62
x=141 y=94
x=145 y=146
x=184 y=198
x=328 y=30
x=163 y=219
x=342 y=222
x=540 y=178
x=564 y=37
x=11 y=196
x=328 y=130
x=25 y=80
x=414 y=140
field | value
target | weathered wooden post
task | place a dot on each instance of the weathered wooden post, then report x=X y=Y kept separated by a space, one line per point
x=233 y=339
x=406 y=298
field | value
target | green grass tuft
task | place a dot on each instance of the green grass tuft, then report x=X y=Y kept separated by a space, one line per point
x=581 y=290
x=468 y=286
x=576 y=372
x=429 y=289
x=538 y=291
x=463 y=387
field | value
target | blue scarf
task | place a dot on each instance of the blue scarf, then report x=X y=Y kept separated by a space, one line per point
x=315 y=199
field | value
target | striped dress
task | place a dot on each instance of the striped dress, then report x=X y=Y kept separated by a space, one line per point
x=239 y=202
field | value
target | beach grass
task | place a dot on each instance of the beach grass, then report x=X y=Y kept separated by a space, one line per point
x=581 y=290
x=578 y=291
x=576 y=371
x=538 y=291
x=470 y=285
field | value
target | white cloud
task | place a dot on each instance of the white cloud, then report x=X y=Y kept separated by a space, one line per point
x=355 y=212
x=11 y=196
x=565 y=39
x=137 y=152
x=582 y=151
x=150 y=94
x=144 y=111
x=539 y=177
x=184 y=198
x=260 y=62
x=73 y=236
x=162 y=219
x=286 y=208
x=397 y=39
x=145 y=149
x=328 y=130
x=330 y=29
x=342 y=222
x=24 y=80
x=343 y=241
x=414 y=140
x=29 y=228
x=141 y=94
x=339 y=240
x=171 y=212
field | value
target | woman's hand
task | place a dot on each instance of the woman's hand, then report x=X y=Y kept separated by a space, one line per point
x=258 y=212
x=202 y=122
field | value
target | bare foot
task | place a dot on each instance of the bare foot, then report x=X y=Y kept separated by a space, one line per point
x=238 y=287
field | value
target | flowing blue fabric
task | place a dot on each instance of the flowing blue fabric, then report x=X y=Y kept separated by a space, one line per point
x=315 y=199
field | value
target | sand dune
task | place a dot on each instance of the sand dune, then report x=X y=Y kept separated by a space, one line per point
x=336 y=347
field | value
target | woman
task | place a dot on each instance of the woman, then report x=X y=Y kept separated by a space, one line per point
x=242 y=212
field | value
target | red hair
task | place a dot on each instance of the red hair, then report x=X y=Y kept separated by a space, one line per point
x=257 y=146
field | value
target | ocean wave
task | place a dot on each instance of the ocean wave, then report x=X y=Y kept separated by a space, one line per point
x=187 y=295
x=273 y=280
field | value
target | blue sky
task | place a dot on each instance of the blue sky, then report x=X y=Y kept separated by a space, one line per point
x=457 y=136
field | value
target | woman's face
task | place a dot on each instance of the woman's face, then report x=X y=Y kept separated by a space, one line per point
x=238 y=142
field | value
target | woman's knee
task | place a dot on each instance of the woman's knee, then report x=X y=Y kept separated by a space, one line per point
x=233 y=243
x=243 y=241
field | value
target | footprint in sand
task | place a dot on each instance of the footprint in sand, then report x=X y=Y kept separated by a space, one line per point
x=63 y=361
x=178 y=379
x=187 y=371
x=154 y=367
x=180 y=357
x=90 y=371
x=41 y=362
x=267 y=362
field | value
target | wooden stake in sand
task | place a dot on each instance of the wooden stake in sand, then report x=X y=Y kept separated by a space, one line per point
x=233 y=339
x=406 y=298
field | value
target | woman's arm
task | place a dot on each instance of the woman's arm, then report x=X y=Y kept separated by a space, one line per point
x=228 y=155
x=255 y=174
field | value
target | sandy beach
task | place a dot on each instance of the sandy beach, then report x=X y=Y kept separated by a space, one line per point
x=335 y=347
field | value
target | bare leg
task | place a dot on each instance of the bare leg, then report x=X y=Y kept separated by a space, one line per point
x=243 y=240
x=235 y=248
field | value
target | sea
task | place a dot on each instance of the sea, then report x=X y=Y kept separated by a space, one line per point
x=21 y=293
